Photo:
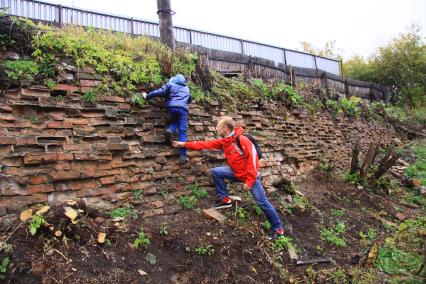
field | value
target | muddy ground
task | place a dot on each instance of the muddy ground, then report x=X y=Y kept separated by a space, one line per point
x=186 y=247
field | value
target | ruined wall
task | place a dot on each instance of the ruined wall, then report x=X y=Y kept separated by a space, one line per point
x=54 y=146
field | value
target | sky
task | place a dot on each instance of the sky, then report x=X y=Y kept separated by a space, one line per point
x=357 y=27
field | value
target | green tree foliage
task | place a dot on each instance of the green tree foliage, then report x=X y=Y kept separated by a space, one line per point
x=328 y=50
x=401 y=65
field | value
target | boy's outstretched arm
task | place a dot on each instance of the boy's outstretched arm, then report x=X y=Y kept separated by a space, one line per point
x=161 y=92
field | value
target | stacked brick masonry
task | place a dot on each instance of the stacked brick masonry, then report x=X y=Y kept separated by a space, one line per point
x=53 y=149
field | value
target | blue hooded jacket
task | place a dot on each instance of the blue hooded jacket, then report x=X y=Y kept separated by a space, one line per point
x=175 y=91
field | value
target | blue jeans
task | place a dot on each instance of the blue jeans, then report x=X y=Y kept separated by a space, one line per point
x=219 y=175
x=179 y=121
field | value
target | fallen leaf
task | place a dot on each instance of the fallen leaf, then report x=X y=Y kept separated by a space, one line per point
x=43 y=210
x=58 y=233
x=141 y=272
x=71 y=202
x=101 y=238
x=26 y=214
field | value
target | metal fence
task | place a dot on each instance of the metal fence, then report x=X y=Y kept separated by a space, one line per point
x=60 y=15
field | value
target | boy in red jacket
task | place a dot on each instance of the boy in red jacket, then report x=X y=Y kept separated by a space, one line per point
x=243 y=165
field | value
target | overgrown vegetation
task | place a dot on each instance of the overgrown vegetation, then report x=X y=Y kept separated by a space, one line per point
x=401 y=255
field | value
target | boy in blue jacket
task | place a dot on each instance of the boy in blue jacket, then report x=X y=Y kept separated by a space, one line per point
x=177 y=96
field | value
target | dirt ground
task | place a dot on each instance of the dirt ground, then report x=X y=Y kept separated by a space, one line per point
x=235 y=251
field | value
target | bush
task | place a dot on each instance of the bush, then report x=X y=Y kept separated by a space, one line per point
x=21 y=69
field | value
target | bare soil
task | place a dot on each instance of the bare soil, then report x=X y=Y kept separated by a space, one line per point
x=241 y=253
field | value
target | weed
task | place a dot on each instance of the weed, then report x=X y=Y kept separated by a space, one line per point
x=141 y=240
x=108 y=243
x=151 y=258
x=197 y=191
x=257 y=210
x=188 y=202
x=34 y=119
x=335 y=235
x=266 y=225
x=3 y=267
x=241 y=213
x=123 y=212
x=90 y=96
x=338 y=212
x=400 y=253
x=339 y=276
x=35 y=224
x=137 y=100
x=281 y=243
x=163 y=231
x=50 y=83
x=137 y=194
x=202 y=250
x=351 y=177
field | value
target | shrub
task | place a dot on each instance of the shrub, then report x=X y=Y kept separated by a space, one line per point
x=21 y=69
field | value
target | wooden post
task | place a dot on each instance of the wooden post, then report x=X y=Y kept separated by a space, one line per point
x=242 y=46
x=355 y=154
x=346 y=87
x=371 y=153
x=132 y=31
x=166 y=24
x=325 y=82
x=59 y=15
x=386 y=165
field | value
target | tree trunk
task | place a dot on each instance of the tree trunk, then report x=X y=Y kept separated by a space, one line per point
x=355 y=154
x=166 y=24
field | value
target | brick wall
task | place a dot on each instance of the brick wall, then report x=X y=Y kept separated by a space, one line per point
x=53 y=148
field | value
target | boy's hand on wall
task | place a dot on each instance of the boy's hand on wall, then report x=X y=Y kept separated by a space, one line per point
x=246 y=187
x=144 y=95
x=178 y=144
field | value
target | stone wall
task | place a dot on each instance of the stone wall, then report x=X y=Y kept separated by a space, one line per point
x=54 y=146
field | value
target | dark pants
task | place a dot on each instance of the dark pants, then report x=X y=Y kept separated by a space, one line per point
x=179 y=121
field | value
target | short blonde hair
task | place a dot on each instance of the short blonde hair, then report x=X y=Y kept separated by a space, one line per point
x=227 y=121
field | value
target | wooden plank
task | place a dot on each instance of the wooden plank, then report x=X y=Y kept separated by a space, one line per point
x=214 y=214
x=292 y=252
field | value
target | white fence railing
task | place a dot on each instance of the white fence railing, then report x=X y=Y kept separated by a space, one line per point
x=59 y=14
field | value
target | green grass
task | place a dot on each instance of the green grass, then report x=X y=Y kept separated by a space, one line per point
x=401 y=255
x=418 y=169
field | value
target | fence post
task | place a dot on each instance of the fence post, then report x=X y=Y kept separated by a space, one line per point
x=190 y=36
x=346 y=87
x=242 y=46
x=59 y=15
x=325 y=82
x=131 y=26
x=285 y=57
x=315 y=62
x=371 y=93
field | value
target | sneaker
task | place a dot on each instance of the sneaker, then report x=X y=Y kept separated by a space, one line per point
x=277 y=234
x=221 y=203
x=183 y=160
x=168 y=137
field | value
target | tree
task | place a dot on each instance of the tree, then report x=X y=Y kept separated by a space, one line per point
x=400 y=65
x=329 y=49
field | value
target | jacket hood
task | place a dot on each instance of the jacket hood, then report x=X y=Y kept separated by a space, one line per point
x=178 y=79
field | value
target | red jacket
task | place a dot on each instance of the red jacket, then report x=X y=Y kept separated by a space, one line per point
x=244 y=164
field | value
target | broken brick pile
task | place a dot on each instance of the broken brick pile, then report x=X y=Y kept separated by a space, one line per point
x=55 y=146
